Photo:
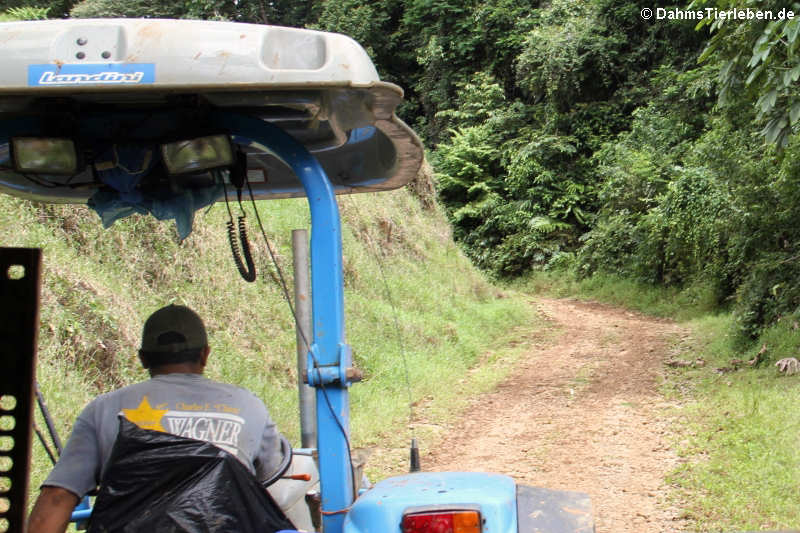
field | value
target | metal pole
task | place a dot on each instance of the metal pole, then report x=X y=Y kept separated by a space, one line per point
x=302 y=307
x=48 y=420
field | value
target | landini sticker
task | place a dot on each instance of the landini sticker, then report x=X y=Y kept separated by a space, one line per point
x=94 y=74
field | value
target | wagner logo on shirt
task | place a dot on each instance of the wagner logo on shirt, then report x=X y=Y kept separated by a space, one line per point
x=222 y=429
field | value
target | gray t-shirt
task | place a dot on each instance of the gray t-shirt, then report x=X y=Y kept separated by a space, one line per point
x=188 y=405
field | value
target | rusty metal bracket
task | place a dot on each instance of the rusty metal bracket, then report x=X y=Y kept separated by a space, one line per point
x=20 y=271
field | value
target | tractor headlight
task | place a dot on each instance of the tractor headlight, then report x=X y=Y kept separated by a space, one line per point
x=198 y=154
x=44 y=155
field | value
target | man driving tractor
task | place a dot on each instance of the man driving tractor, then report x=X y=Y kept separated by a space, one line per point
x=177 y=399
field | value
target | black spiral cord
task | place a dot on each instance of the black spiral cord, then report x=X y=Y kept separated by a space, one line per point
x=246 y=267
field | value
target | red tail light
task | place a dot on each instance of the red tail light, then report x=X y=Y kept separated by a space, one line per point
x=442 y=522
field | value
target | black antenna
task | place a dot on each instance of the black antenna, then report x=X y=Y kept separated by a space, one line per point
x=414 y=459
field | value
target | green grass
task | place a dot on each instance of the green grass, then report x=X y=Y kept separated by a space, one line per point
x=99 y=285
x=685 y=304
x=737 y=430
x=740 y=434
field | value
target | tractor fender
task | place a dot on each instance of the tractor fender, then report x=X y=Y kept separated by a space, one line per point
x=381 y=509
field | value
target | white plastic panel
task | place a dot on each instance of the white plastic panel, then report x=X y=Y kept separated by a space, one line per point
x=187 y=52
x=319 y=87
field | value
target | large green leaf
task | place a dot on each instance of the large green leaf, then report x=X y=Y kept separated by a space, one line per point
x=775 y=128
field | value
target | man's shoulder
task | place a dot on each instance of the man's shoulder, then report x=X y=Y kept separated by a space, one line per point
x=233 y=389
x=123 y=391
x=116 y=393
x=113 y=400
x=198 y=384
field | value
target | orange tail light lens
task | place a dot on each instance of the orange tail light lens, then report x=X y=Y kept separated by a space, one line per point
x=442 y=522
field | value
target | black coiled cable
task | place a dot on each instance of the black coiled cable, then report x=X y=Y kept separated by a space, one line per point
x=246 y=268
x=248 y=272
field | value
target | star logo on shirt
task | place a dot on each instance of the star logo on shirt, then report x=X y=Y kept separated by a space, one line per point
x=145 y=416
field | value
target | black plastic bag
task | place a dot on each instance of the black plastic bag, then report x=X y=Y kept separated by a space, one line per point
x=157 y=482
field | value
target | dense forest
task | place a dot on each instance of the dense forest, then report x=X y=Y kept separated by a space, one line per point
x=580 y=135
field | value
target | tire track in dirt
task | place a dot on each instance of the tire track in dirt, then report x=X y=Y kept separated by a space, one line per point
x=580 y=412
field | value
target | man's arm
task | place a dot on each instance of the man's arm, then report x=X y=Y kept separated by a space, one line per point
x=269 y=455
x=52 y=510
x=75 y=474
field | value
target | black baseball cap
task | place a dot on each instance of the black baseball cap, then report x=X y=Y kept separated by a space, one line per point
x=173 y=329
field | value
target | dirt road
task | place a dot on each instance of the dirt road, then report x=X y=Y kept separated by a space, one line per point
x=581 y=412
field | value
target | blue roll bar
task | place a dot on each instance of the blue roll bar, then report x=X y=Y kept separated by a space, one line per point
x=330 y=355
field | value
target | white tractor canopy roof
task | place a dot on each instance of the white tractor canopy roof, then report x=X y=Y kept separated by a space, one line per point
x=319 y=87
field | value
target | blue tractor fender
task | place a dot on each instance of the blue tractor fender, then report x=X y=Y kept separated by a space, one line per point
x=504 y=506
